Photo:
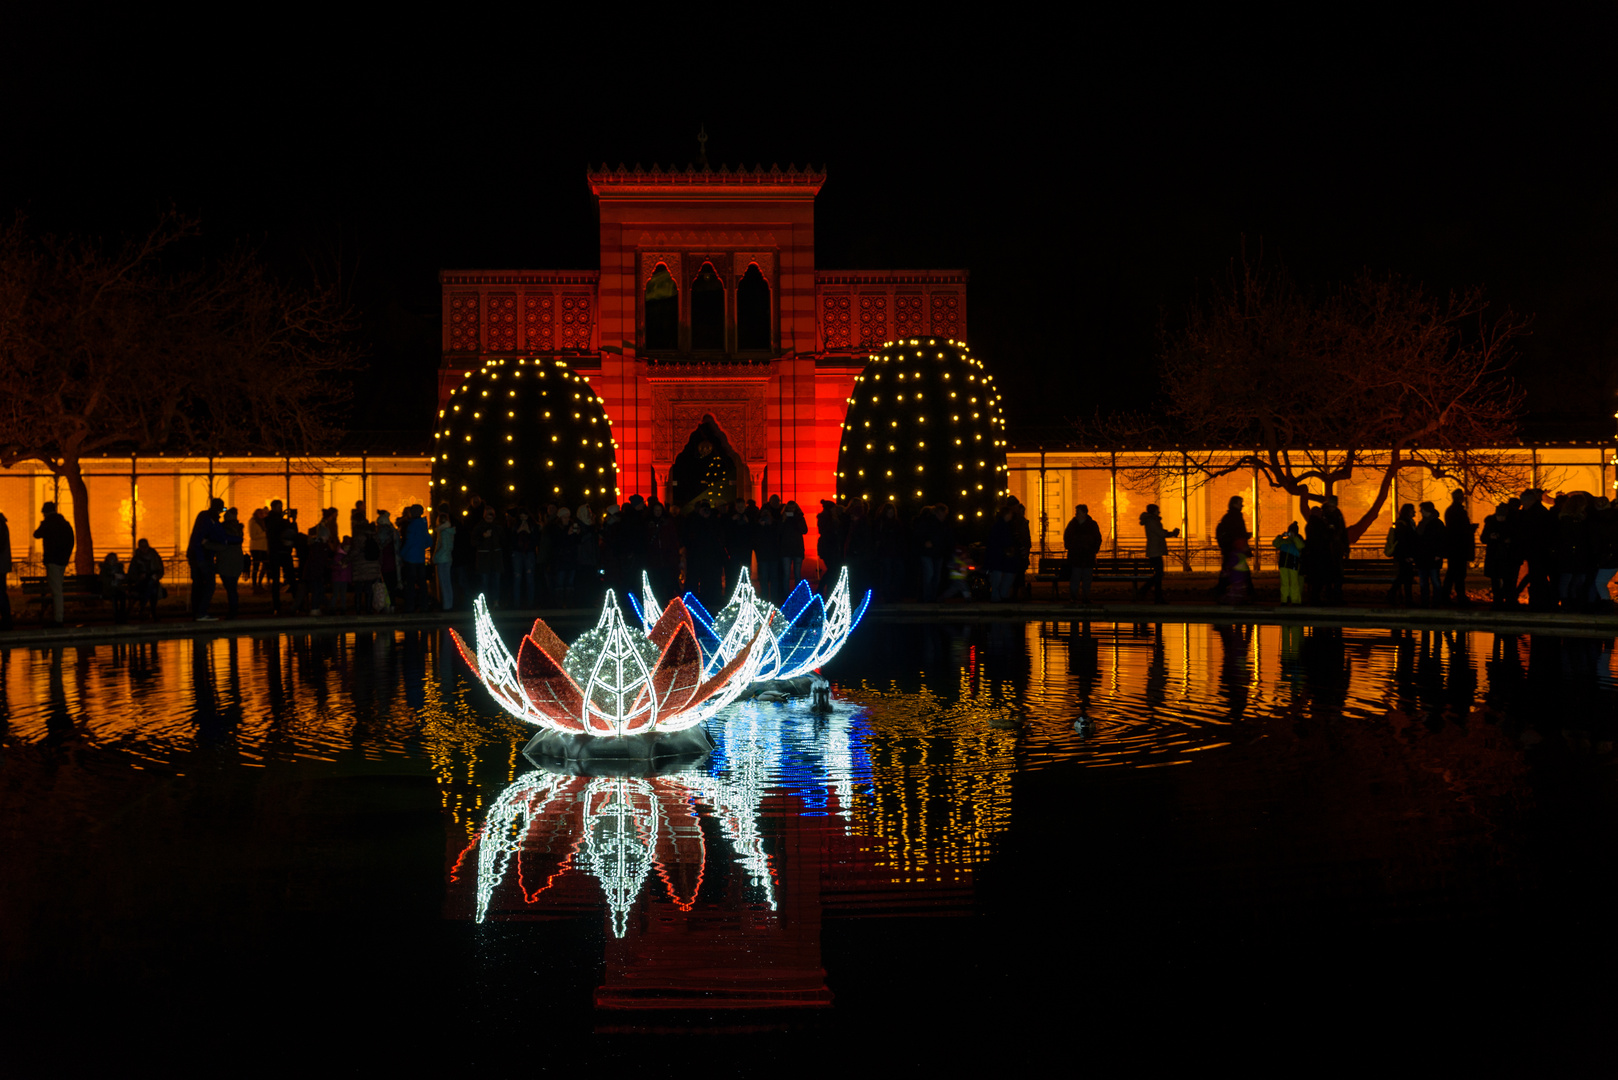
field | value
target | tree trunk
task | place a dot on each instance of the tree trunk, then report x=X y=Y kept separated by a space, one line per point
x=1358 y=529
x=84 y=556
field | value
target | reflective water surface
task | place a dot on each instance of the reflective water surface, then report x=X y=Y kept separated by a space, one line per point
x=998 y=820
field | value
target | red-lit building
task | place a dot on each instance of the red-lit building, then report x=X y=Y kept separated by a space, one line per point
x=707 y=302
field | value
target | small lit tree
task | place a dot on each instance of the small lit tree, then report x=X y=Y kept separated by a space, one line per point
x=1376 y=377
x=925 y=426
x=113 y=349
x=524 y=431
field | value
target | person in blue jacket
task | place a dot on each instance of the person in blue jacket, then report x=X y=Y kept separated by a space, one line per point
x=414 y=543
x=1289 y=548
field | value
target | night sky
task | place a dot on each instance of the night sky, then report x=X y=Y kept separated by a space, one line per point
x=1090 y=176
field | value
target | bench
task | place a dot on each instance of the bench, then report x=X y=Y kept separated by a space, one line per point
x=1370 y=571
x=74 y=587
x=1133 y=569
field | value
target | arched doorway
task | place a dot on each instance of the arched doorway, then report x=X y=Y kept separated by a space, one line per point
x=709 y=467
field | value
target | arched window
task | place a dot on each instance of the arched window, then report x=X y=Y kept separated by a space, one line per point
x=753 y=311
x=662 y=310
x=707 y=310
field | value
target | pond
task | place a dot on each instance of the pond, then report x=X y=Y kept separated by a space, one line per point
x=1005 y=834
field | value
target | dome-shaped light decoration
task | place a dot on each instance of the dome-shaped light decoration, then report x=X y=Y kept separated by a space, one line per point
x=528 y=432
x=925 y=426
x=804 y=633
x=613 y=680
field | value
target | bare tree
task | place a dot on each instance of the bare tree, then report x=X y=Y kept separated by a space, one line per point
x=111 y=348
x=1376 y=377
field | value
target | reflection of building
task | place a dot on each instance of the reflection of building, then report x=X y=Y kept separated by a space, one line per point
x=707 y=303
x=715 y=881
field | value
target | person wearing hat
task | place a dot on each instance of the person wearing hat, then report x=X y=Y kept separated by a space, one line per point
x=205 y=530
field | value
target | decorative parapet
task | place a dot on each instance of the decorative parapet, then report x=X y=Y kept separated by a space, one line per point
x=504 y=312
x=704 y=180
x=861 y=309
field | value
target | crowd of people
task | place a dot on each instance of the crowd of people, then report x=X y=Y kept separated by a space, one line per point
x=1563 y=555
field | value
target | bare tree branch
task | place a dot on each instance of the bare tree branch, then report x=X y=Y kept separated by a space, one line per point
x=111 y=349
x=1309 y=393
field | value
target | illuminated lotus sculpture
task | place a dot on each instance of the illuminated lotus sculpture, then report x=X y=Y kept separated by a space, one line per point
x=614 y=681
x=803 y=633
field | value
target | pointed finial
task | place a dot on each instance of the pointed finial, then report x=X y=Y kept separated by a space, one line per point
x=702 y=144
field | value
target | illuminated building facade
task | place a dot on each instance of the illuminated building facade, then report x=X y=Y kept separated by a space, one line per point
x=707 y=304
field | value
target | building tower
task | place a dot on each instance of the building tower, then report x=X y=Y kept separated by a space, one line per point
x=707 y=316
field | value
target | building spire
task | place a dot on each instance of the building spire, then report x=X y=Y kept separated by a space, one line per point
x=702 y=145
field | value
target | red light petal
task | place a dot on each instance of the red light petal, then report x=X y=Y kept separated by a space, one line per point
x=467 y=654
x=674 y=616
x=678 y=674
x=547 y=640
x=722 y=676
x=552 y=690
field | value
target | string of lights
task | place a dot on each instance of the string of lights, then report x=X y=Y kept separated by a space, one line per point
x=526 y=431
x=925 y=426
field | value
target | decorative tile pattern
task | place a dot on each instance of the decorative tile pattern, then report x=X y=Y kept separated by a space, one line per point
x=463 y=322
x=907 y=316
x=539 y=322
x=873 y=320
x=947 y=316
x=834 y=322
x=502 y=333
x=576 y=322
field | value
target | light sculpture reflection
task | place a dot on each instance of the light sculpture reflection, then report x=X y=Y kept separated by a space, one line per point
x=622 y=828
x=613 y=681
x=803 y=634
x=626 y=831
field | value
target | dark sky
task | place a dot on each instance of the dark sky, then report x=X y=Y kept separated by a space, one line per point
x=1090 y=176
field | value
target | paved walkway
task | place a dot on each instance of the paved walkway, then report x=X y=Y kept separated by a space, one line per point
x=1477 y=617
